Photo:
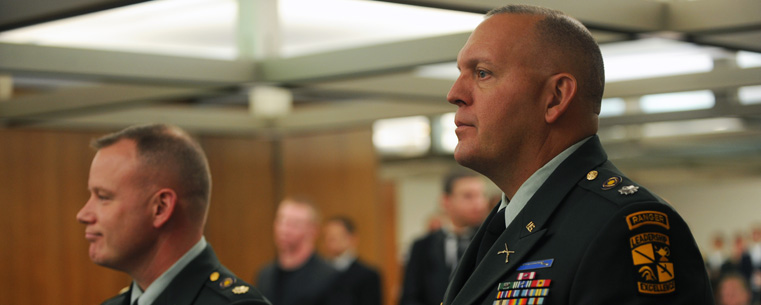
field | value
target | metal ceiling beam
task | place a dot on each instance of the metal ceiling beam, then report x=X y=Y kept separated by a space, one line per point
x=717 y=79
x=74 y=100
x=360 y=61
x=211 y=119
x=408 y=84
x=726 y=109
x=710 y=16
x=121 y=66
x=238 y=119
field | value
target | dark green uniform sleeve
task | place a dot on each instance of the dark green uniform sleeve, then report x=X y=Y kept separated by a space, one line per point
x=644 y=255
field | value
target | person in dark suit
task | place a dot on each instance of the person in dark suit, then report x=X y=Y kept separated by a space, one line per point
x=149 y=196
x=357 y=283
x=298 y=276
x=434 y=256
x=571 y=228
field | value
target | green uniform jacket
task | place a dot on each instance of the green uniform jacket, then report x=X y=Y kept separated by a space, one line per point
x=588 y=236
x=204 y=281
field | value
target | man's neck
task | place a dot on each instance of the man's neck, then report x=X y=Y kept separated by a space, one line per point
x=295 y=258
x=511 y=179
x=161 y=258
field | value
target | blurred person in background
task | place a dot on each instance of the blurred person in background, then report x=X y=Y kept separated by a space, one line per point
x=357 y=283
x=754 y=251
x=733 y=289
x=298 y=276
x=434 y=256
x=739 y=260
x=715 y=257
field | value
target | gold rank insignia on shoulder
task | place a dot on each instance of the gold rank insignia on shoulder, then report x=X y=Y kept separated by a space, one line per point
x=628 y=190
x=227 y=282
x=240 y=289
x=125 y=289
x=592 y=175
x=214 y=276
x=611 y=183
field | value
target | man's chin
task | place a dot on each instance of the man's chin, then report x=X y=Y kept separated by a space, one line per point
x=97 y=257
x=462 y=156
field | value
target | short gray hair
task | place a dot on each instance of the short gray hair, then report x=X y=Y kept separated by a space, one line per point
x=566 y=33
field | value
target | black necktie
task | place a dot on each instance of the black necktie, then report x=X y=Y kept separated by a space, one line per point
x=493 y=231
x=462 y=245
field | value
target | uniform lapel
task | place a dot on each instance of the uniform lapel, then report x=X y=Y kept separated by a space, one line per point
x=521 y=237
x=493 y=265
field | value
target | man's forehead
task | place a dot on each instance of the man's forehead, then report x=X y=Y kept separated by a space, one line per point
x=112 y=162
x=125 y=149
x=295 y=210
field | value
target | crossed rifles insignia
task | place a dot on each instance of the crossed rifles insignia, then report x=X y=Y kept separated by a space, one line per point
x=507 y=253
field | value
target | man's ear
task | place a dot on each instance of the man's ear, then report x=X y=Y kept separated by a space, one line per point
x=445 y=202
x=164 y=202
x=564 y=88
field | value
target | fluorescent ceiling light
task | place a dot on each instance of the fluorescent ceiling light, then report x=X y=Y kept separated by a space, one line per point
x=445 y=71
x=311 y=26
x=199 y=28
x=749 y=95
x=613 y=106
x=207 y=28
x=408 y=136
x=692 y=127
x=654 y=57
x=747 y=59
x=677 y=101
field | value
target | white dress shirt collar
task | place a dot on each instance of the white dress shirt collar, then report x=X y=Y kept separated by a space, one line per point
x=157 y=287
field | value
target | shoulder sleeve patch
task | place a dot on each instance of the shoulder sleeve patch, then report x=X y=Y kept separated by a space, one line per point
x=651 y=258
x=638 y=219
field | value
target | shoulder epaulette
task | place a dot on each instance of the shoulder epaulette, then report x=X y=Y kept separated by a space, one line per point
x=615 y=187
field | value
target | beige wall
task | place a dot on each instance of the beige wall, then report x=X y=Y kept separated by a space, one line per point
x=721 y=204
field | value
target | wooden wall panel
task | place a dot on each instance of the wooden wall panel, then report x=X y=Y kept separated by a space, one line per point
x=338 y=172
x=392 y=267
x=243 y=203
x=43 y=183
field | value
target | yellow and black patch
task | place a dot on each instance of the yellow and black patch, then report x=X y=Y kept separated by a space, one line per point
x=648 y=237
x=636 y=220
x=650 y=256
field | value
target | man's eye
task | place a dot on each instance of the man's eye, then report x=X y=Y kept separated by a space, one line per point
x=482 y=73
